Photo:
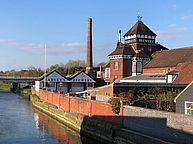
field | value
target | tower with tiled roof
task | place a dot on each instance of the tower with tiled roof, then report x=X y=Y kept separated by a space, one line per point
x=140 y=37
x=130 y=57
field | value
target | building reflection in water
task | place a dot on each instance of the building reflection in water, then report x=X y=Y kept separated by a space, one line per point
x=61 y=133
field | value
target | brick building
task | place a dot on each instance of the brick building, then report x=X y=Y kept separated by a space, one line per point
x=140 y=59
x=129 y=58
x=177 y=62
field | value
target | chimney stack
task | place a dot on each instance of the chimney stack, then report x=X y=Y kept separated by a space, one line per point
x=89 y=63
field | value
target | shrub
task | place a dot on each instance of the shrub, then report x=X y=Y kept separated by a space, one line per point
x=115 y=103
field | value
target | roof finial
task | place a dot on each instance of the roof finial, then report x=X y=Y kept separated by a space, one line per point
x=120 y=36
x=139 y=18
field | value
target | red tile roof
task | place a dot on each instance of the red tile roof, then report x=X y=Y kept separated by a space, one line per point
x=171 y=58
x=122 y=49
x=140 y=28
x=185 y=73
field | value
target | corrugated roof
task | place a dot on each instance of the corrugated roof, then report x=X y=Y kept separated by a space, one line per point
x=140 y=28
x=171 y=58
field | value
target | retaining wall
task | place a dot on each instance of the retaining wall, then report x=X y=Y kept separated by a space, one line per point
x=173 y=127
x=78 y=105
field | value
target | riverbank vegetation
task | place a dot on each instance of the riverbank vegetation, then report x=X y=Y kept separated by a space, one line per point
x=5 y=86
x=69 y=68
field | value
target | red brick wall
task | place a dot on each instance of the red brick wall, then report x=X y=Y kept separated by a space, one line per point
x=157 y=70
x=127 y=67
x=124 y=69
x=78 y=105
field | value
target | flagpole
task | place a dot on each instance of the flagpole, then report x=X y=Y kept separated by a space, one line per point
x=45 y=65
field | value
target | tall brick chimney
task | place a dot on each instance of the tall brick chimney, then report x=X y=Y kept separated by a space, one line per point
x=89 y=63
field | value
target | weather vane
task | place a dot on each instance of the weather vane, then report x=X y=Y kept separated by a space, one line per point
x=139 y=18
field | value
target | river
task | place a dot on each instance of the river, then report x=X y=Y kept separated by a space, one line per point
x=21 y=124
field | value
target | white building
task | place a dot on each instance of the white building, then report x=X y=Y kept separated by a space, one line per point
x=55 y=81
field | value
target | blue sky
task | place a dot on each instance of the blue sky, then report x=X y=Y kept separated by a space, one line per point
x=26 y=25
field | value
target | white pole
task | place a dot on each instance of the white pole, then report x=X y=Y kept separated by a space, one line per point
x=45 y=65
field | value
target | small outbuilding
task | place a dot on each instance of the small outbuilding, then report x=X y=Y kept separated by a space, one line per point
x=53 y=81
x=184 y=101
x=81 y=81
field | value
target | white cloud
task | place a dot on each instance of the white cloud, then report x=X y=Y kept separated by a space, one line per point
x=172 y=25
x=38 y=48
x=67 y=48
x=172 y=32
x=186 y=17
x=166 y=35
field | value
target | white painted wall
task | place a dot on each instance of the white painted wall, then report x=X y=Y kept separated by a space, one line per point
x=169 y=78
x=37 y=86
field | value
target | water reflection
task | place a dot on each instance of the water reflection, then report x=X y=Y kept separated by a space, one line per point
x=62 y=134
x=21 y=124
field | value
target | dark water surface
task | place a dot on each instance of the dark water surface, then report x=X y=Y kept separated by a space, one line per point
x=19 y=123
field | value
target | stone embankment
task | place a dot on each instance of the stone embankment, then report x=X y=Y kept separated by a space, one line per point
x=94 y=127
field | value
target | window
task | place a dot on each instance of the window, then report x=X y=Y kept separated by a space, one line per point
x=90 y=84
x=188 y=108
x=142 y=49
x=116 y=65
x=149 y=49
x=107 y=73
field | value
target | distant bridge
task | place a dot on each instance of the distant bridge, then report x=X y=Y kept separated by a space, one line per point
x=18 y=79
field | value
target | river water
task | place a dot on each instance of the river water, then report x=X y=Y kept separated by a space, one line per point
x=21 y=124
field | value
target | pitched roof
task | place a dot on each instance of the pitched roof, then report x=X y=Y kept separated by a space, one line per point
x=171 y=58
x=122 y=49
x=48 y=74
x=140 y=28
x=159 y=47
x=81 y=73
x=185 y=75
x=187 y=91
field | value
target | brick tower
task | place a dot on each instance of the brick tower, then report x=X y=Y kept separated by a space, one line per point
x=130 y=57
x=89 y=63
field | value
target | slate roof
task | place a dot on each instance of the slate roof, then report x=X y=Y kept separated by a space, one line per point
x=140 y=28
x=146 y=77
x=70 y=77
x=171 y=58
x=47 y=74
